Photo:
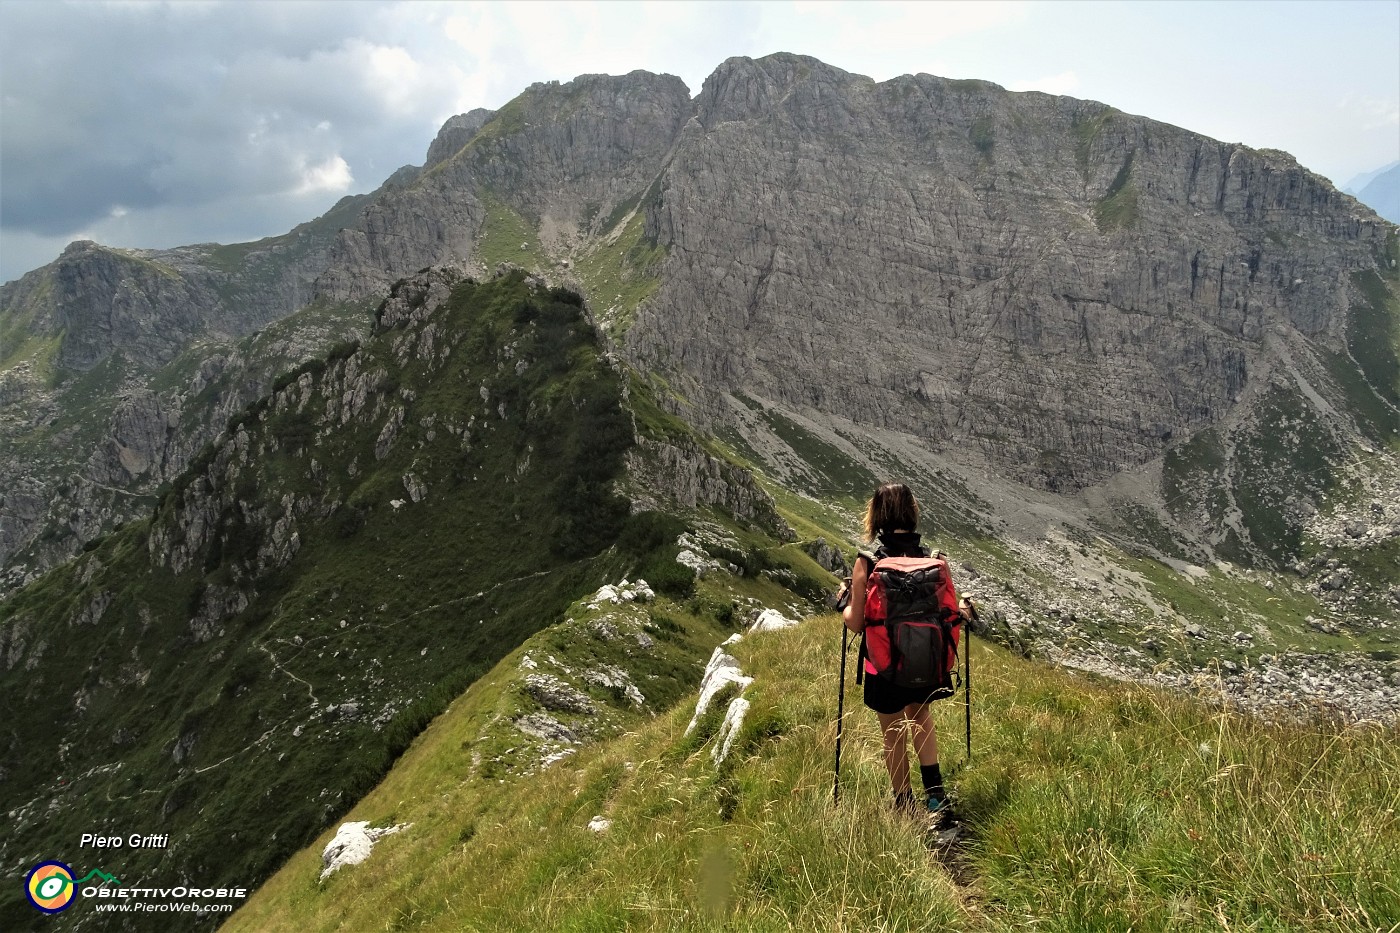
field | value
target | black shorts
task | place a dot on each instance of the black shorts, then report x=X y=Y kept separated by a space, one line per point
x=883 y=696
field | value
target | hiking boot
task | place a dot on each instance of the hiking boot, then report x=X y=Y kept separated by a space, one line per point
x=905 y=804
x=938 y=809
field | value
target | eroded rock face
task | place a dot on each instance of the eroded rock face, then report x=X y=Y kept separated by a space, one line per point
x=565 y=156
x=455 y=134
x=81 y=446
x=688 y=476
x=1059 y=285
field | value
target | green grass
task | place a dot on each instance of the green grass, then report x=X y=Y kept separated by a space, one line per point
x=507 y=237
x=1085 y=131
x=40 y=351
x=289 y=247
x=974 y=86
x=1089 y=805
x=983 y=136
x=832 y=471
x=620 y=272
x=1234 y=602
x=507 y=121
x=1118 y=208
x=1373 y=334
x=653 y=421
x=1284 y=451
x=19 y=342
x=1284 y=457
x=1378 y=420
x=1142 y=526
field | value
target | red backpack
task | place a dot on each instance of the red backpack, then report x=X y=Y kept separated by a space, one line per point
x=912 y=623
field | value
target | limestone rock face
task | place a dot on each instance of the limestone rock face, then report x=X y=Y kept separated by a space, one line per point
x=1056 y=284
x=686 y=475
x=565 y=156
x=1059 y=286
x=102 y=298
x=89 y=423
x=455 y=134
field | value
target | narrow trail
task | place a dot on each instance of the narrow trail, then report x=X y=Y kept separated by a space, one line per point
x=950 y=846
x=315 y=703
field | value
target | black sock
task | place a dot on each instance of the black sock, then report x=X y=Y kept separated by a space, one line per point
x=933 y=780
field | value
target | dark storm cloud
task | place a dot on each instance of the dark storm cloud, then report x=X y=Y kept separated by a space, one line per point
x=113 y=108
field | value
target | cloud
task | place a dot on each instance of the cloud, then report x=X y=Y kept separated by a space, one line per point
x=142 y=110
x=332 y=176
x=1064 y=83
x=1371 y=113
x=884 y=40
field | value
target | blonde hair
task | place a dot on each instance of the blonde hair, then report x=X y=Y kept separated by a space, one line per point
x=892 y=508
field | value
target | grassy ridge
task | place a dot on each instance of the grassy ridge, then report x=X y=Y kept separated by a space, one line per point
x=1090 y=805
x=242 y=739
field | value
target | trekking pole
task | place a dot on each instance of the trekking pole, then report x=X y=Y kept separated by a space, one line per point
x=967 y=676
x=840 y=718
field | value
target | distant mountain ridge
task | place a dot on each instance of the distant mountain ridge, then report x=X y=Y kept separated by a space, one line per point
x=1382 y=194
x=1361 y=181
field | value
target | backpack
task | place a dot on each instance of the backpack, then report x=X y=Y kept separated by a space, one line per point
x=913 y=624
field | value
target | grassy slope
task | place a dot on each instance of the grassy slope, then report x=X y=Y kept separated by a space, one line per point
x=1090 y=805
x=620 y=272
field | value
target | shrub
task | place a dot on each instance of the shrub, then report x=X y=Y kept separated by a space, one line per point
x=667 y=576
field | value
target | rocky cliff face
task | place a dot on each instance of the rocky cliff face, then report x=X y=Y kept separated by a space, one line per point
x=566 y=157
x=91 y=454
x=1061 y=286
x=150 y=305
x=119 y=365
x=455 y=134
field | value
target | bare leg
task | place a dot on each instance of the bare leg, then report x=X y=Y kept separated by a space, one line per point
x=894 y=727
x=925 y=737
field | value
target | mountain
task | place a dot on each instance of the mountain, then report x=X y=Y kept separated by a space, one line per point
x=1382 y=194
x=269 y=508
x=117 y=366
x=356 y=547
x=1365 y=178
x=1109 y=286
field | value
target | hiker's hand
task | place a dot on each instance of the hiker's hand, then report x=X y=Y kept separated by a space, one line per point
x=843 y=595
x=842 y=599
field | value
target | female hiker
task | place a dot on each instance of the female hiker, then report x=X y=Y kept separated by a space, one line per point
x=891 y=520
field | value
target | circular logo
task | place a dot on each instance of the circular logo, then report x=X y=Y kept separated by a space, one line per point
x=50 y=886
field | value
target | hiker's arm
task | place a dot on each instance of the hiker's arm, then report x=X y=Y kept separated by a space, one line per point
x=854 y=614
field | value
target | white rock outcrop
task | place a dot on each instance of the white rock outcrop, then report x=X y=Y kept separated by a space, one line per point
x=771 y=620
x=352 y=845
x=729 y=729
x=721 y=671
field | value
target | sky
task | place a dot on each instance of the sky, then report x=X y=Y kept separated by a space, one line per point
x=157 y=124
